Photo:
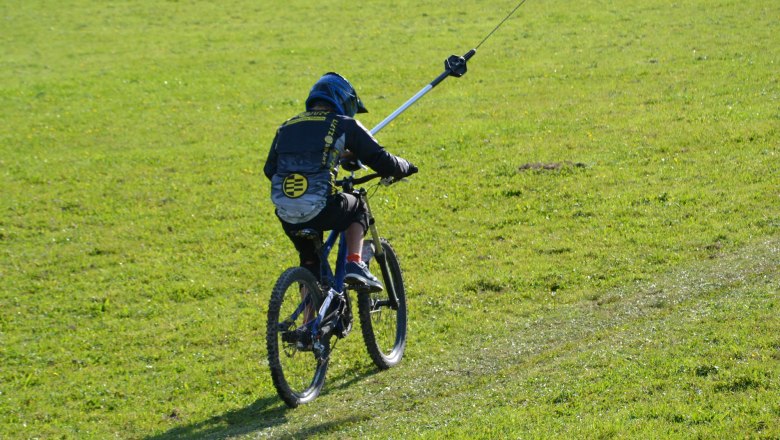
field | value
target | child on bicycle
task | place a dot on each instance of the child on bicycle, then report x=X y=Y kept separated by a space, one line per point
x=303 y=163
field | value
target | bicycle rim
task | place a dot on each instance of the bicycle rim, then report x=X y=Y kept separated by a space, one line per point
x=298 y=375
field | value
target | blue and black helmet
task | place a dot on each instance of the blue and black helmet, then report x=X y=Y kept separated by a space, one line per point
x=336 y=90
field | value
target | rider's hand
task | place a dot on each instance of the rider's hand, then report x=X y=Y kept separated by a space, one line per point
x=349 y=164
x=411 y=169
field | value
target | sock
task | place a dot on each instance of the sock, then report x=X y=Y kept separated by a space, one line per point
x=353 y=258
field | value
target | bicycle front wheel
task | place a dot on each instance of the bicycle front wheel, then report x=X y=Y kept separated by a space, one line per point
x=297 y=368
x=383 y=321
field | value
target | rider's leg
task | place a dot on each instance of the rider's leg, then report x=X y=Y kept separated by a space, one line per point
x=309 y=259
x=357 y=271
x=308 y=311
x=355 y=234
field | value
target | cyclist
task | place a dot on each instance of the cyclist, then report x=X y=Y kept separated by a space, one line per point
x=303 y=163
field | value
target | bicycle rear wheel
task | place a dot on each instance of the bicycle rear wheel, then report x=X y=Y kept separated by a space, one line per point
x=383 y=323
x=297 y=369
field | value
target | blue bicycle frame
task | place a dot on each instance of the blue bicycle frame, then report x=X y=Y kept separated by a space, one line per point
x=334 y=281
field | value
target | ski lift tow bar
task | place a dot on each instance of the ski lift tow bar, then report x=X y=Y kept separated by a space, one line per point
x=453 y=66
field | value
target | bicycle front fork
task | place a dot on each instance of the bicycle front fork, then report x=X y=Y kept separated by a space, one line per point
x=379 y=254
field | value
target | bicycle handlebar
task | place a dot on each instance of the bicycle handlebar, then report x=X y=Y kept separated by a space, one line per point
x=360 y=180
x=348 y=182
x=364 y=179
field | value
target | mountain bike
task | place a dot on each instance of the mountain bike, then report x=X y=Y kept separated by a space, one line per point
x=306 y=317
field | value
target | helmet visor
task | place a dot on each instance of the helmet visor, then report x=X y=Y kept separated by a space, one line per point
x=360 y=107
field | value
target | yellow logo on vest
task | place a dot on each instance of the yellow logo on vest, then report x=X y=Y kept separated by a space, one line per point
x=295 y=185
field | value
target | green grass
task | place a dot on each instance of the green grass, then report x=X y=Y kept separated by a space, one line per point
x=629 y=291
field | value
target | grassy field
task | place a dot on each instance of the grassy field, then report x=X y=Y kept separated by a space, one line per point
x=591 y=247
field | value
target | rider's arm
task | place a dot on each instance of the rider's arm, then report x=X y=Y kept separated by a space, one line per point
x=360 y=142
x=270 y=163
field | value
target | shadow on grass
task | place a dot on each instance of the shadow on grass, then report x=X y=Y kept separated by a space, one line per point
x=264 y=413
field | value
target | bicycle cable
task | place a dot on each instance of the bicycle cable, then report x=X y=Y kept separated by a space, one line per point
x=373 y=189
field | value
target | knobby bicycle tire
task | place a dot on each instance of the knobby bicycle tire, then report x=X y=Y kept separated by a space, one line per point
x=297 y=374
x=383 y=327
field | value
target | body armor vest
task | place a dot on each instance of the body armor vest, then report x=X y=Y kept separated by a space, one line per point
x=308 y=148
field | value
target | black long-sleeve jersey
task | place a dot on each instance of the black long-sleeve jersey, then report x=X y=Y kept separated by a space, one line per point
x=304 y=159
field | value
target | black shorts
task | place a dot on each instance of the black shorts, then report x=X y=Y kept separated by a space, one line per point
x=340 y=211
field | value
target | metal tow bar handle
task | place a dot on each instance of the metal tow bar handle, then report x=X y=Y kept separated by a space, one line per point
x=453 y=66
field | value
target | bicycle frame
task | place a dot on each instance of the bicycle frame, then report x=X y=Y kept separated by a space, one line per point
x=334 y=280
